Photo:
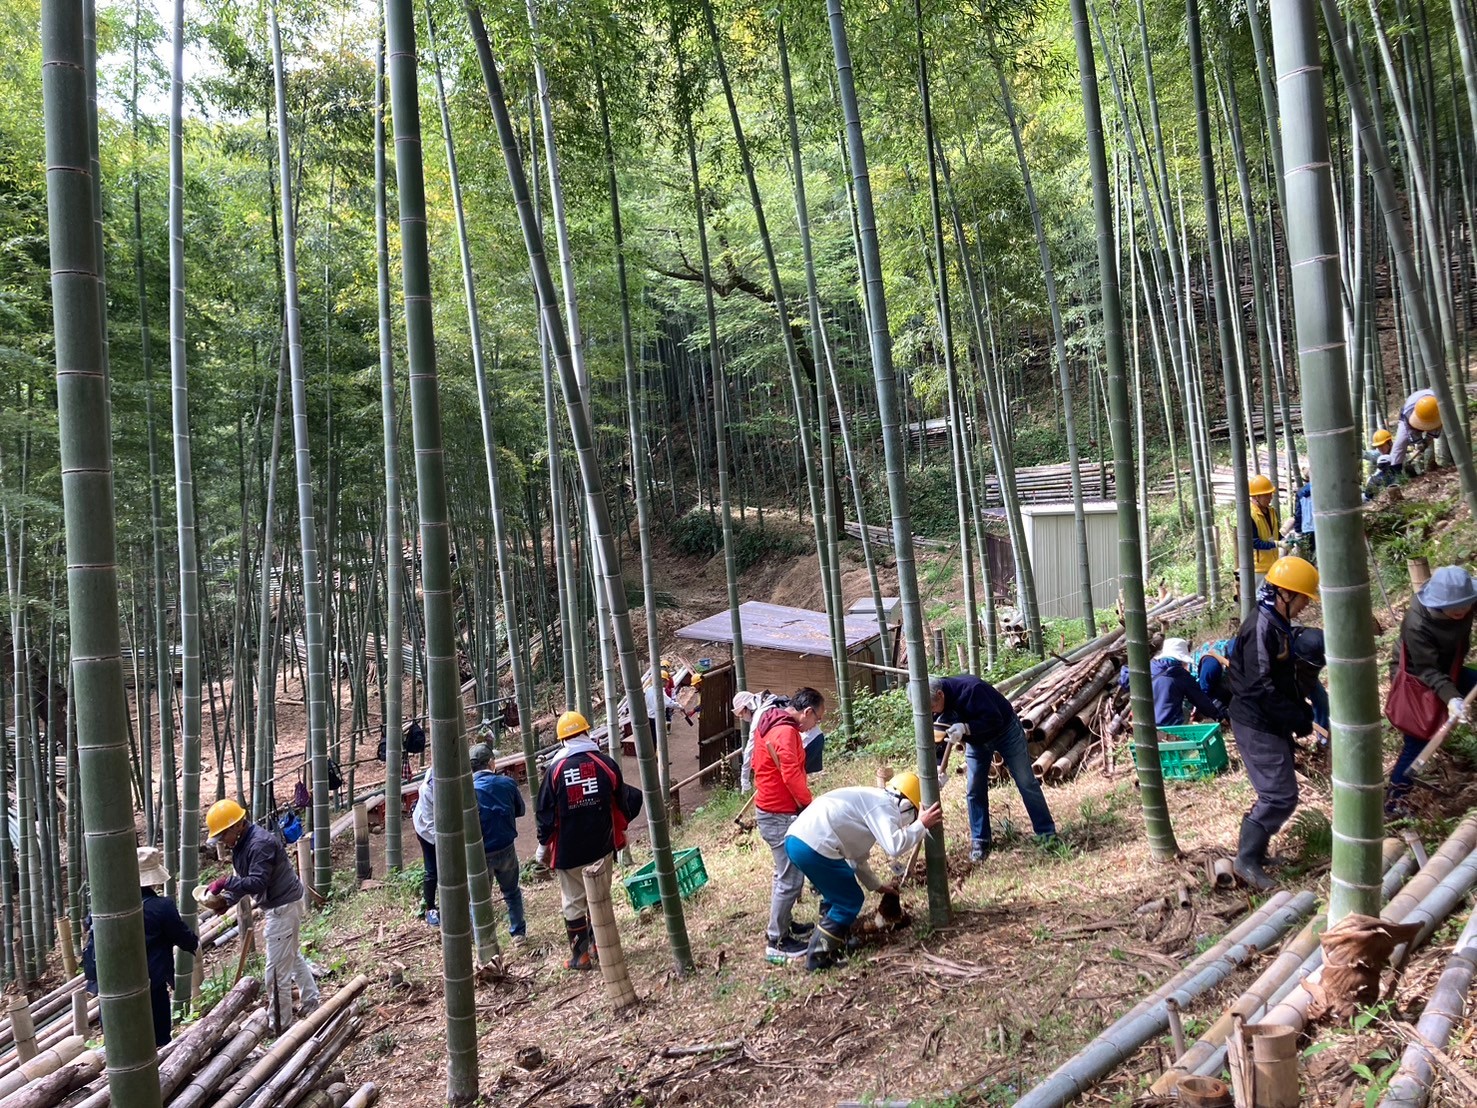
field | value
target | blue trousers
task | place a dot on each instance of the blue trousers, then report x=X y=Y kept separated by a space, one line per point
x=841 y=893
x=1466 y=681
x=503 y=865
x=1011 y=746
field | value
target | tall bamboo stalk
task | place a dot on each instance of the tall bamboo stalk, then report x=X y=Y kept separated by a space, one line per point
x=394 y=671
x=1157 y=825
x=603 y=537
x=85 y=435
x=312 y=584
x=1333 y=445
x=885 y=380
x=443 y=679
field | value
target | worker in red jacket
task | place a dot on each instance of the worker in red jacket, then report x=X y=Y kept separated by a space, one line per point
x=780 y=794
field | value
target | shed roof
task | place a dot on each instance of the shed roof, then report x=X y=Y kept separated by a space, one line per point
x=775 y=627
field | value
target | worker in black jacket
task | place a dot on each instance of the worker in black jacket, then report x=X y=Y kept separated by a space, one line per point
x=263 y=872
x=164 y=929
x=1268 y=710
x=980 y=718
x=1436 y=635
x=583 y=808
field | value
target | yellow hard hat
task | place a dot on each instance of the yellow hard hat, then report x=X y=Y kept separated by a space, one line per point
x=1260 y=485
x=1295 y=575
x=570 y=725
x=223 y=815
x=1426 y=416
x=1381 y=437
x=907 y=784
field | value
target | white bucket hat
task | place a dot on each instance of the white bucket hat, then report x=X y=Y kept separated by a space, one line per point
x=151 y=870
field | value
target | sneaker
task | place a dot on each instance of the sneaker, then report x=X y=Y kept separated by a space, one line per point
x=784 y=949
x=433 y=917
x=980 y=852
x=801 y=931
x=520 y=941
x=307 y=1008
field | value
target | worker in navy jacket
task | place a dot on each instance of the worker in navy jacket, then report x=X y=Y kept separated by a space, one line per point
x=499 y=805
x=1174 y=685
x=981 y=719
x=1268 y=710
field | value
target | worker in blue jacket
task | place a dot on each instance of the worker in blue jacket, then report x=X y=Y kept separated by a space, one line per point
x=1309 y=659
x=1174 y=685
x=1212 y=666
x=984 y=722
x=499 y=805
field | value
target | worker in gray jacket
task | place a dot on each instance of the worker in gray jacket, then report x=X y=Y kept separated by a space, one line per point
x=264 y=873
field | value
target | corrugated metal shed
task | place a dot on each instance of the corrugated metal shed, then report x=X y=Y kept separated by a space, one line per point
x=795 y=630
x=1051 y=537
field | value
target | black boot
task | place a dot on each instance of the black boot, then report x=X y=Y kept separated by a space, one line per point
x=1251 y=853
x=825 y=946
x=579 y=944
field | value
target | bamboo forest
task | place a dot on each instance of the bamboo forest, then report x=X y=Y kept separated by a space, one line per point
x=679 y=552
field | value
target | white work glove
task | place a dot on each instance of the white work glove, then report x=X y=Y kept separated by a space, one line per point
x=957 y=732
x=1457 y=707
x=541 y=855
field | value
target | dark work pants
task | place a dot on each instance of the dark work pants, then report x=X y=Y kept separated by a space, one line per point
x=159 y=999
x=428 y=885
x=1269 y=765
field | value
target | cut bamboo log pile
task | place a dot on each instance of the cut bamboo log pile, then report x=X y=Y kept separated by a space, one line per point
x=1072 y=709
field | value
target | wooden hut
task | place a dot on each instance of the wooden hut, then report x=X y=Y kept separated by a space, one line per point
x=788 y=648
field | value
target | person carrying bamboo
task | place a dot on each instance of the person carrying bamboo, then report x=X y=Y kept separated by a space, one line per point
x=1268 y=711
x=263 y=872
x=499 y=806
x=1419 y=426
x=1431 y=677
x=164 y=929
x=781 y=793
x=831 y=841
x=985 y=723
x=583 y=808
x=1266 y=525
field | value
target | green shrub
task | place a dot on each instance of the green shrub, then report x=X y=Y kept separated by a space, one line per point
x=699 y=534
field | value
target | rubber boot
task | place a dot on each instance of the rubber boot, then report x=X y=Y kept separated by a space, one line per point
x=827 y=942
x=579 y=944
x=1251 y=852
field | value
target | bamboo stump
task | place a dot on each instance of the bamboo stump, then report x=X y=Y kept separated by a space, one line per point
x=305 y=870
x=1274 y=1067
x=23 y=1028
x=1204 y=1092
x=64 y=940
x=80 y=1016
x=363 y=867
x=607 y=937
x=1420 y=572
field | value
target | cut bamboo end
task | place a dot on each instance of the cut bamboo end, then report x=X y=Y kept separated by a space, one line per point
x=1274 y=1066
x=80 y=1018
x=607 y=937
x=64 y=940
x=1223 y=872
x=1204 y=1092
x=23 y=1028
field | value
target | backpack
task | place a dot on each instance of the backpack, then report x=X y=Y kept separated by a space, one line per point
x=415 y=738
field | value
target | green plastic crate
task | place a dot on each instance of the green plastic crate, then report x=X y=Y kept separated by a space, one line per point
x=1196 y=751
x=692 y=875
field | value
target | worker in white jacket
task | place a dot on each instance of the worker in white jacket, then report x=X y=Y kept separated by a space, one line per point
x=1420 y=423
x=831 y=840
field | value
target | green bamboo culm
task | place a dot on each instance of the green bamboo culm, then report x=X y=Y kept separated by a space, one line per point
x=312 y=584
x=1333 y=451
x=885 y=380
x=394 y=538
x=1416 y=301
x=443 y=678
x=1157 y=826
x=606 y=555
x=184 y=497
x=85 y=439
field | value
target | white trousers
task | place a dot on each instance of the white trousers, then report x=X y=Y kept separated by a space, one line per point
x=285 y=961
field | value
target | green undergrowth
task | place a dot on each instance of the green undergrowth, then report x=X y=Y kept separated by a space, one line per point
x=699 y=534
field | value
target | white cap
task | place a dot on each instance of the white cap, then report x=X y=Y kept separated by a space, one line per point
x=745 y=701
x=1178 y=649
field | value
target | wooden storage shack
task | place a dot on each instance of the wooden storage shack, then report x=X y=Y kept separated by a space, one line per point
x=788 y=648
